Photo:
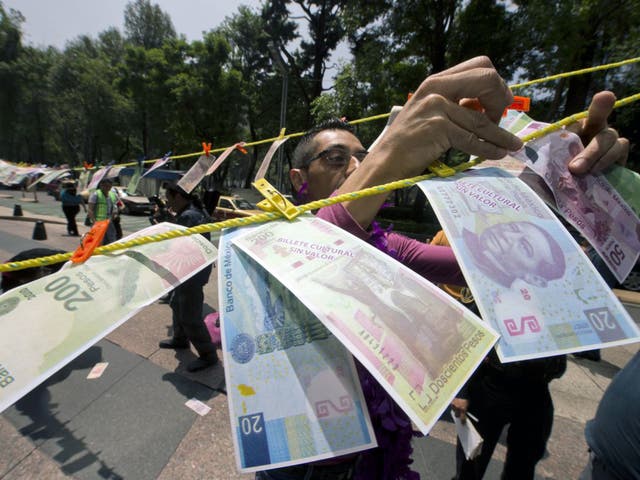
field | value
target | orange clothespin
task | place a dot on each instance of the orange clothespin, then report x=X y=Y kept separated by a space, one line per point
x=409 y=95
x=207 y=148
x=239 y=147
x=520 y=104
x=87 y=166
x=90 y=241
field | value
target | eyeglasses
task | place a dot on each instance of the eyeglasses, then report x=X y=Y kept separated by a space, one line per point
x=337 y=157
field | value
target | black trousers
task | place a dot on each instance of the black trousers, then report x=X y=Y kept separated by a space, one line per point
x=188 y=322
x=117 y=226
x=70 y=211
x=524 y=404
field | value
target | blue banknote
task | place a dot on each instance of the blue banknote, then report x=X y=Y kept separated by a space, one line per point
x=293 y=391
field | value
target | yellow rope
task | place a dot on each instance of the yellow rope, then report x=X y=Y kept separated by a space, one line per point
x=577 y=72
x=268 y=216
x=386 y=115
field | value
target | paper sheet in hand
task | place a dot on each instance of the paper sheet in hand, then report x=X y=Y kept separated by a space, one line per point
x=529 y=278
x=589 y=202
x=470 y=439
x=599 y=206
x=50 y=321
x=419 y=343
x=294 y=394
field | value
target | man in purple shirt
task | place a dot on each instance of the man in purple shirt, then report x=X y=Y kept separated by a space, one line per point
x=327 y=161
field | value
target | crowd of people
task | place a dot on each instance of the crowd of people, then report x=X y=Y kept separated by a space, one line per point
x=331 y=160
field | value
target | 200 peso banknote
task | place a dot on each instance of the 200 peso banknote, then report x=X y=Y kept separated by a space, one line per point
x=419 y=343
x=50 y=321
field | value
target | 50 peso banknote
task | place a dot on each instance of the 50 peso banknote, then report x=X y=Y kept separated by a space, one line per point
x=600 y=206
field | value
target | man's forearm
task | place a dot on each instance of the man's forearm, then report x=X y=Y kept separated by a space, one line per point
x=432 y=122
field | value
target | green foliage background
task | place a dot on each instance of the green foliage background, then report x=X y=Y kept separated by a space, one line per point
x=146 y=90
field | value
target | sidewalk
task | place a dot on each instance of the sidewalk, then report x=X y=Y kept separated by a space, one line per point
x=6 y=213
x=132 y=423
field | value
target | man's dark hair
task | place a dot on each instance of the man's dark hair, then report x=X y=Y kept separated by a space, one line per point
x=175 y=188
x=302 y=153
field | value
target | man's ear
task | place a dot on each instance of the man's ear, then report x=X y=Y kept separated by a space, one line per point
x=298 y=177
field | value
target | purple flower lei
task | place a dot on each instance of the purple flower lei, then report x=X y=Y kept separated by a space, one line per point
x=378 y=239
x=391 y=460
x=302 y=194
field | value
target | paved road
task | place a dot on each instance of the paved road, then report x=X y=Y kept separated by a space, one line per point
x=132 y=422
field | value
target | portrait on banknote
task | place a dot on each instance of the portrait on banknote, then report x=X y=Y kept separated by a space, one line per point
x=517 y=249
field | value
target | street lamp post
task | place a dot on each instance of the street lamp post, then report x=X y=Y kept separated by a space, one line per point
x=282 y=66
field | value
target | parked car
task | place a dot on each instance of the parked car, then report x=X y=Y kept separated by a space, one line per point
x=134 y=203
x=234 y=207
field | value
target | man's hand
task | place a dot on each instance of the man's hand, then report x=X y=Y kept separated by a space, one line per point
x=603 y=146
x=460 y=406
x=433 y=120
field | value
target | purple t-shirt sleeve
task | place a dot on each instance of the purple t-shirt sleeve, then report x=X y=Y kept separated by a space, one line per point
x=435 y=263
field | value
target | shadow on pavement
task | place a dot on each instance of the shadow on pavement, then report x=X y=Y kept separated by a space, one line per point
x=48 y=423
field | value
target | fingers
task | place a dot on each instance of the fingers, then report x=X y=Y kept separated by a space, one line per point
x=459 y=406
x=483 y=84
x=476 y=62
x=603 y=151
x=462 y=415
x=433 y=124
x=473 y=133
x=603 y=147
x=599 y=110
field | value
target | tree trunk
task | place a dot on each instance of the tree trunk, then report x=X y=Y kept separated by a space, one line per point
x=249 y=178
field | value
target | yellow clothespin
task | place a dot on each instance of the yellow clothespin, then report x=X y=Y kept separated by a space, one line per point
x=274 y=200
x=441 y=170
x=281 y=136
